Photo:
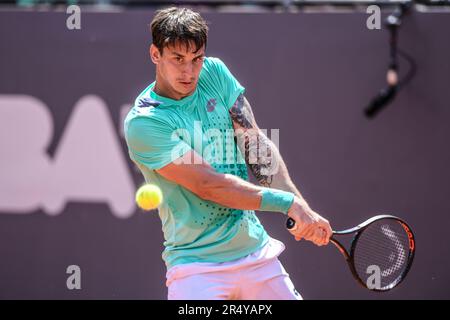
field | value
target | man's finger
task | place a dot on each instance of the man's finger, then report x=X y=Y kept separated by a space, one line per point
x=309 y=232
x=327 y=236
x=328 y=232
x=320 y=236
x=300 y=231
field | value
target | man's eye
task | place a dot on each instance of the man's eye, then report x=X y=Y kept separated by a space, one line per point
x=178 y=59
x=198 y=59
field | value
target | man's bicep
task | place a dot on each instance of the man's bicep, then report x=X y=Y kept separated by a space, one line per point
x=241 y=114
x=226 y=82
x=259 y=153
x=190 y=171
x=154 y=144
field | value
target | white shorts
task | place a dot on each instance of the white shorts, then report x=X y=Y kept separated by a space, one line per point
x=258 y=276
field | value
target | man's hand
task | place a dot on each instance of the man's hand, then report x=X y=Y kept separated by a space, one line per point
x=309 y=224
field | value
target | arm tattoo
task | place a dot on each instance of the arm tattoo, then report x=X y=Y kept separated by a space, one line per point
x=256 y=147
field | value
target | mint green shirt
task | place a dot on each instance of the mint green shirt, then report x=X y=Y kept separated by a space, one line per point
x=158 y=131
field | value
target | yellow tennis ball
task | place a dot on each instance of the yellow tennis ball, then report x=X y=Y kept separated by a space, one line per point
x=148 y=197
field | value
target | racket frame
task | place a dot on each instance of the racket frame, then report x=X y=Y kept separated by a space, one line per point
x=358 y=230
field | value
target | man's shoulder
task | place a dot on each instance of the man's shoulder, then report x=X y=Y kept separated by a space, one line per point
x=214 y=67
x=145 y=111
x=212 y=73
x=212 y=64
x=212 y=60
x=144 y=100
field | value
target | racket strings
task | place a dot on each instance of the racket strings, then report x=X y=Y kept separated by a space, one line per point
x=381 y=254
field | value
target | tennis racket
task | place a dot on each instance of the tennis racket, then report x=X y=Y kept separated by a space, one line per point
x=381 y=251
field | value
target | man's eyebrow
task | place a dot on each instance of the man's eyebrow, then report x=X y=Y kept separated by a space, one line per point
x=181 y=55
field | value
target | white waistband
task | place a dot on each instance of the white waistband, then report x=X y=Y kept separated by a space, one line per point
x=271 y=250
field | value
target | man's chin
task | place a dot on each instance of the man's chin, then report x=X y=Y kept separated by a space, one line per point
x=186 y=92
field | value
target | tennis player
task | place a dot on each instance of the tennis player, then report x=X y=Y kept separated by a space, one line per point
x=192 y=132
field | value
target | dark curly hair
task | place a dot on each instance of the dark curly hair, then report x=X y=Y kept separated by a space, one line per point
x=178 y=25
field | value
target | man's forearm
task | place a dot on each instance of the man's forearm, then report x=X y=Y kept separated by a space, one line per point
x=234 y=192
x=279 y=179
x=260 y=153
x=270 y=170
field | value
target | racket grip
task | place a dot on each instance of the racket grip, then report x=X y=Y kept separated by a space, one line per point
x=290 y=223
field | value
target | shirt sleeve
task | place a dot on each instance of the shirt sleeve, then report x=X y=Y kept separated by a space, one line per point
x=227 y=84
x=153 y=143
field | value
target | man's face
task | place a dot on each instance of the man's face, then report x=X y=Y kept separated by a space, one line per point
x=178 y=69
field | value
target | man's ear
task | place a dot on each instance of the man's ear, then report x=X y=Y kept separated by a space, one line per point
x=155 y=55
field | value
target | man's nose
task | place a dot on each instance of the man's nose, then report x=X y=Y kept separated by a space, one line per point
x=189 y=69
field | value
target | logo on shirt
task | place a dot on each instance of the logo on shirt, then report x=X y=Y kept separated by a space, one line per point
x=211 y=105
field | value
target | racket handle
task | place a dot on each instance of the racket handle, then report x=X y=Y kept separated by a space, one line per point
x=290 y=224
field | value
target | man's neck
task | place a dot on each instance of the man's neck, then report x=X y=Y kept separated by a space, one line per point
x=161 y=91
x=164 y=91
